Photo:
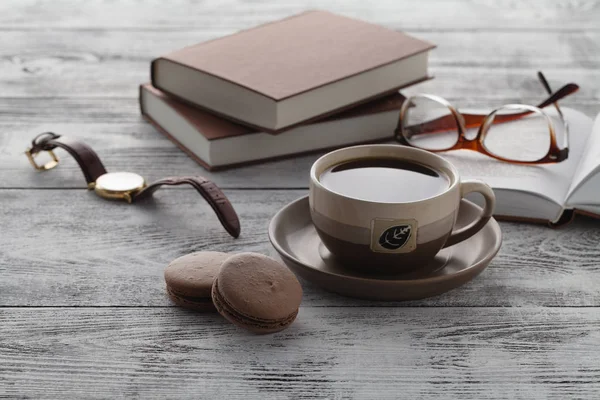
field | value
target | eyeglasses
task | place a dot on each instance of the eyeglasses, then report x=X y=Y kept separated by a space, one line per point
x=515 y=133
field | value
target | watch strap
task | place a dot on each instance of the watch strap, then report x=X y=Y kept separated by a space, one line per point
x=92 y=169
x=211 y=193
x=88 y=160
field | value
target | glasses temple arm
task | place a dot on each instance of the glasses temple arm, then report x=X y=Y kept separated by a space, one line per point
x=546 y=85
x=544 y=82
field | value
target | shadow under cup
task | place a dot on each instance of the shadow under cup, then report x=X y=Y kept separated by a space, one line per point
x=391 y=237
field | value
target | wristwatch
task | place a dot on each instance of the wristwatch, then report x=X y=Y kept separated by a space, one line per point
x=128 y=186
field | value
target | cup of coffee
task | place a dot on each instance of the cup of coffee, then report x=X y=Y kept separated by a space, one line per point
x=390 y=208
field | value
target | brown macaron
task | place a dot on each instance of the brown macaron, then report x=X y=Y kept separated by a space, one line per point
x=257 y=293
x=189 y=279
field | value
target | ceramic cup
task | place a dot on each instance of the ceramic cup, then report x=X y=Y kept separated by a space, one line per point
x=355 y=230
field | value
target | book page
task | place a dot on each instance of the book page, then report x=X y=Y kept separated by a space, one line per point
x=590 y=208
x=580 y=190
x=548 y=180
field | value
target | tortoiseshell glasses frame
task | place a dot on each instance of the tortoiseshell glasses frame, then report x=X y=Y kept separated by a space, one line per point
x=464 y=121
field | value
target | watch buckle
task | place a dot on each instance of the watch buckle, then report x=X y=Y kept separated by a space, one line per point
x=49 y=165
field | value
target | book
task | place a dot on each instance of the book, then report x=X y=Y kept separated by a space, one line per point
x=216 y=143
x=544 y=192
x=294 y=70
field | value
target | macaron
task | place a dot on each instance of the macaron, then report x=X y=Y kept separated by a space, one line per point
x=189 y=279
x=257 y=293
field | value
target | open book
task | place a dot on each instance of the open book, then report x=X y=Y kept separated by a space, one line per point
x=545 y=192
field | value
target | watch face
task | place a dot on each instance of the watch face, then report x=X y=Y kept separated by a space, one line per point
x=119 y=185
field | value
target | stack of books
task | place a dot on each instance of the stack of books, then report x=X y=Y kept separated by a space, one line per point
x=310 y=82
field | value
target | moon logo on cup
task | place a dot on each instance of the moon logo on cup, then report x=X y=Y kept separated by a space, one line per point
x=395 y=237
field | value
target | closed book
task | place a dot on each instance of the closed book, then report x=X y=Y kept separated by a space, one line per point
x=294 y=70
x=215 y=142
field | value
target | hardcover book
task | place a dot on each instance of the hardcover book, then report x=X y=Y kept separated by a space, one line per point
x=294 y=70
x=215 y=142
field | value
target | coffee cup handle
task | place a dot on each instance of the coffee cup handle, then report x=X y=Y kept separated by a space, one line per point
x=466 y=187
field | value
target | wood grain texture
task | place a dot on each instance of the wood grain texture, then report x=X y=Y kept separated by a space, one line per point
x=135 y=147
x=426 y=15
x=327 y=353
x=57 y=63
x=125 y=142
x=83 y=313
x=98 y=63
x=49 y=50
x=101 y=253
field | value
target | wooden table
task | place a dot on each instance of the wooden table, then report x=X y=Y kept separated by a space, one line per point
x=83 y=311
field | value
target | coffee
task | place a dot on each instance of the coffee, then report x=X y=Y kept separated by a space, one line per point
x=384 y=180
x=389 y=208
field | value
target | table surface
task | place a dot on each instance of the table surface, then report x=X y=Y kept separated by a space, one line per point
x=83 y=310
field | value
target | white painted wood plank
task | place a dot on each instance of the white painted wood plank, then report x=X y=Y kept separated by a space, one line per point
x=486 y=64
x=114 y=128
x=32 y=49
x=235 y=14
x=135 y=147
x=75 y=68
x=71 y=248
x=333 y=353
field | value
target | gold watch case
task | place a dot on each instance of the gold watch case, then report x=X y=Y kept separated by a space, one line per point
x=118 y=185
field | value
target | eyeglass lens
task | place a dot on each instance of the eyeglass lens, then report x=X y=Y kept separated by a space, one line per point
x=429 y=125
x=524 y=139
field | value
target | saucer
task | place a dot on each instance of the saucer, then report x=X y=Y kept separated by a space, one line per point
x=293 y=235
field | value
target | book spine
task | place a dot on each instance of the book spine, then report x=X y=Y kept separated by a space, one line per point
x=153 y=66
x=140 y=103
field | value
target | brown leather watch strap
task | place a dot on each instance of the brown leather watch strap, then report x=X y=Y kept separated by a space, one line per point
x=88 y=160
x=211 y=193
x=92 y=168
